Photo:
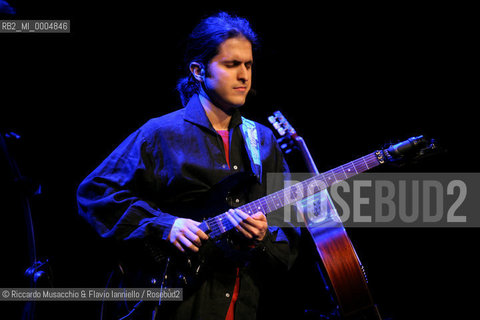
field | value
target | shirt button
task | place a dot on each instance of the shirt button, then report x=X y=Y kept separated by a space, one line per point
x=235 y=167
x=227 y=295
x=224 y=166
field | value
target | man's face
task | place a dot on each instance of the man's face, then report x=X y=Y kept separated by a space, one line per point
x=228 y=80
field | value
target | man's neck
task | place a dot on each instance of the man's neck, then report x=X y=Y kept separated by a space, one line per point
x=219 y=119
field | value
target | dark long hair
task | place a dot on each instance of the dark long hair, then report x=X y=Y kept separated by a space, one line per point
x=203 y=44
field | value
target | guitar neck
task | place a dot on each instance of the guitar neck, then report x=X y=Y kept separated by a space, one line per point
x=299 y=191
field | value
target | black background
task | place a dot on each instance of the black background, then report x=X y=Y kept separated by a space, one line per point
x=349 y=78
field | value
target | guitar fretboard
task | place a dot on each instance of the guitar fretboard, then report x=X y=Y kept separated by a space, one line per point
x=299 y=191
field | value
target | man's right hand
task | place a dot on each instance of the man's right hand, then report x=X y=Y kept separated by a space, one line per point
x=186 y=234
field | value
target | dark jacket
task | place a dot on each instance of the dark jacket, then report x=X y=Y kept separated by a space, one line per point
x=175 y=160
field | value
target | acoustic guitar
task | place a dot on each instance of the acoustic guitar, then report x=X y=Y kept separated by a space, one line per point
x=342 y=270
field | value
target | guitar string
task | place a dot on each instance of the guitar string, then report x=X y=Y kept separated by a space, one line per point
x=273 y=201
x=337 y=172
x=369 y=161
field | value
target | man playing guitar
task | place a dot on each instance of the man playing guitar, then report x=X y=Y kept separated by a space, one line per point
x=150 y=188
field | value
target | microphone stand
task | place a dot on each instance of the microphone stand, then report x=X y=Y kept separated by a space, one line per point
x=26 y=190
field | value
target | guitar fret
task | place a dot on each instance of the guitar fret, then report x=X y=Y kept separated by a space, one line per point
x=297 y=192
x=363 y=165
x=374 y=160
x=270 y=204
x=340 y=174
x=370 y=162
x=276 y=202
x=281 y=198
x=353 y=166
x=329 y=180
x=358 y=165
x=349 y=173
x=319 y=188
x=363 y=158
x=227 y=224
x=263 y=204
x=220 y=223
x=344 y=172
x=215 y=232
x=256 y=206
x=217 y=227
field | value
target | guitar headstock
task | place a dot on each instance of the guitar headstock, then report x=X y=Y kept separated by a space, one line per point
x=412 y=149
x=280 y=123
x=288 y=135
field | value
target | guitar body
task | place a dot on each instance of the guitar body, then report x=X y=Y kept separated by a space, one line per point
x=341 y=266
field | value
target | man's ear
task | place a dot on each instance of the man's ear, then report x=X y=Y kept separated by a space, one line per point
x=198 y=71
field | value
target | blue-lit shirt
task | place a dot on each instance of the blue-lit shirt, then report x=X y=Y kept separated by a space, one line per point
x=167 y=163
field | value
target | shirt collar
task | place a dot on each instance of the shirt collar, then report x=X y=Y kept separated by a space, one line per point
x=195 y=114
